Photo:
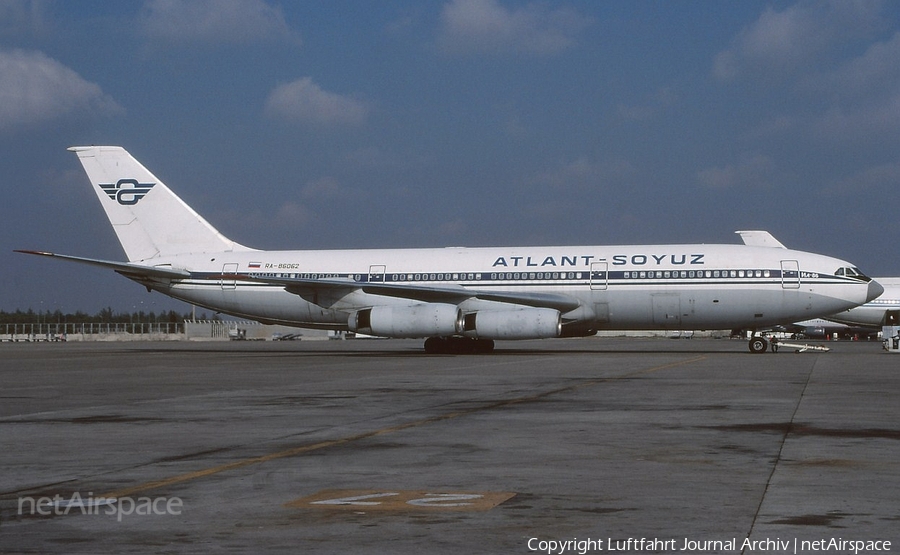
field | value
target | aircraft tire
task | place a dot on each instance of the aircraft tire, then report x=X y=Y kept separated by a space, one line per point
x=483 y=346
x=457 y=346
x=436 y=346
x=758 y=344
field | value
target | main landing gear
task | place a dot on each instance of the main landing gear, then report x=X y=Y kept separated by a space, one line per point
x=457 y=345
x=758 y=344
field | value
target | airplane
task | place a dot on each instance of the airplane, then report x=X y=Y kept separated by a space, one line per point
x=822 y=328
x=461 y=299
x=875 y=313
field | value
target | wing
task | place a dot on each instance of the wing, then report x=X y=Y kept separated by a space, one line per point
x=428 y=294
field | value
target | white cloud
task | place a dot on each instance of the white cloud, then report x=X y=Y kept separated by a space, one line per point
x=752 y=171
x=23 y=17
x=875 y=120
x=292 y=215
x=865 y=93
x=214 y=21
x=875 y=72
x=584 y=173
x=649 y=108
x=777 y=40
x=484 y=26
x=779 y=43
x=305 y=102
x=884 y=177
x=809 y=53
x=36 y=89
x=328 y=188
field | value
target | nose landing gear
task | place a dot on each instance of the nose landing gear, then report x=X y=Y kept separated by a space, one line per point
x=758 y=344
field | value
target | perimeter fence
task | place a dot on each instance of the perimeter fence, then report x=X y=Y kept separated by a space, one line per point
x=53 y=331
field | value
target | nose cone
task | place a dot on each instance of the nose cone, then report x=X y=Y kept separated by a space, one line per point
x=875 y=290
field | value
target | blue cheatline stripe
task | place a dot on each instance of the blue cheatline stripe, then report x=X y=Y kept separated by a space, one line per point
x=583 y=277
x=403 y=277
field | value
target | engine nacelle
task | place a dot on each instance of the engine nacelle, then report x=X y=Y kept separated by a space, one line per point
x=422 y=320
x=525 y=323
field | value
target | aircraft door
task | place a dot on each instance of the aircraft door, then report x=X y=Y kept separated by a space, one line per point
x=790 y=274
x=228 y=269
x=667 y=310
x=376 y=273
x=599 y=276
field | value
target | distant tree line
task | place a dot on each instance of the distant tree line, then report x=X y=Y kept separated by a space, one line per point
x=105 y=316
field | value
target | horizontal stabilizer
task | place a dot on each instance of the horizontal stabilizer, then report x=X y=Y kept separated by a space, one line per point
x=124 y=268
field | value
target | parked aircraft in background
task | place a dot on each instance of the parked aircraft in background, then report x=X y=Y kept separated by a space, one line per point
x=821 y=328
x=462 y=299
x=873 y=313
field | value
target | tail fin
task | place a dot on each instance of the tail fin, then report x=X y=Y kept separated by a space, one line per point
x=149 y=219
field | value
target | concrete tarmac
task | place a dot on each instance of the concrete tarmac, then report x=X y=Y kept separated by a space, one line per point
x=372 y=446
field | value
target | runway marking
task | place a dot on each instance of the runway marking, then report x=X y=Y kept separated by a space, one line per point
x=303 y=449
x=400 y=500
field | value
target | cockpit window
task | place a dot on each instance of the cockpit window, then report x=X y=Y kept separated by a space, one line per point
x=853 y=272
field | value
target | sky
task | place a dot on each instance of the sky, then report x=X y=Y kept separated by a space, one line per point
x=338 y=124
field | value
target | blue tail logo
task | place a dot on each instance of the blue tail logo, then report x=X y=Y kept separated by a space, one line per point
x=126 y=191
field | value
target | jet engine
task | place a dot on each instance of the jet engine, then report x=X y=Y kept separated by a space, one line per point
x=525 y=323
x=422 y=320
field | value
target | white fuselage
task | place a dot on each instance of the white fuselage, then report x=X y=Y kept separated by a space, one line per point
x=617 y=287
